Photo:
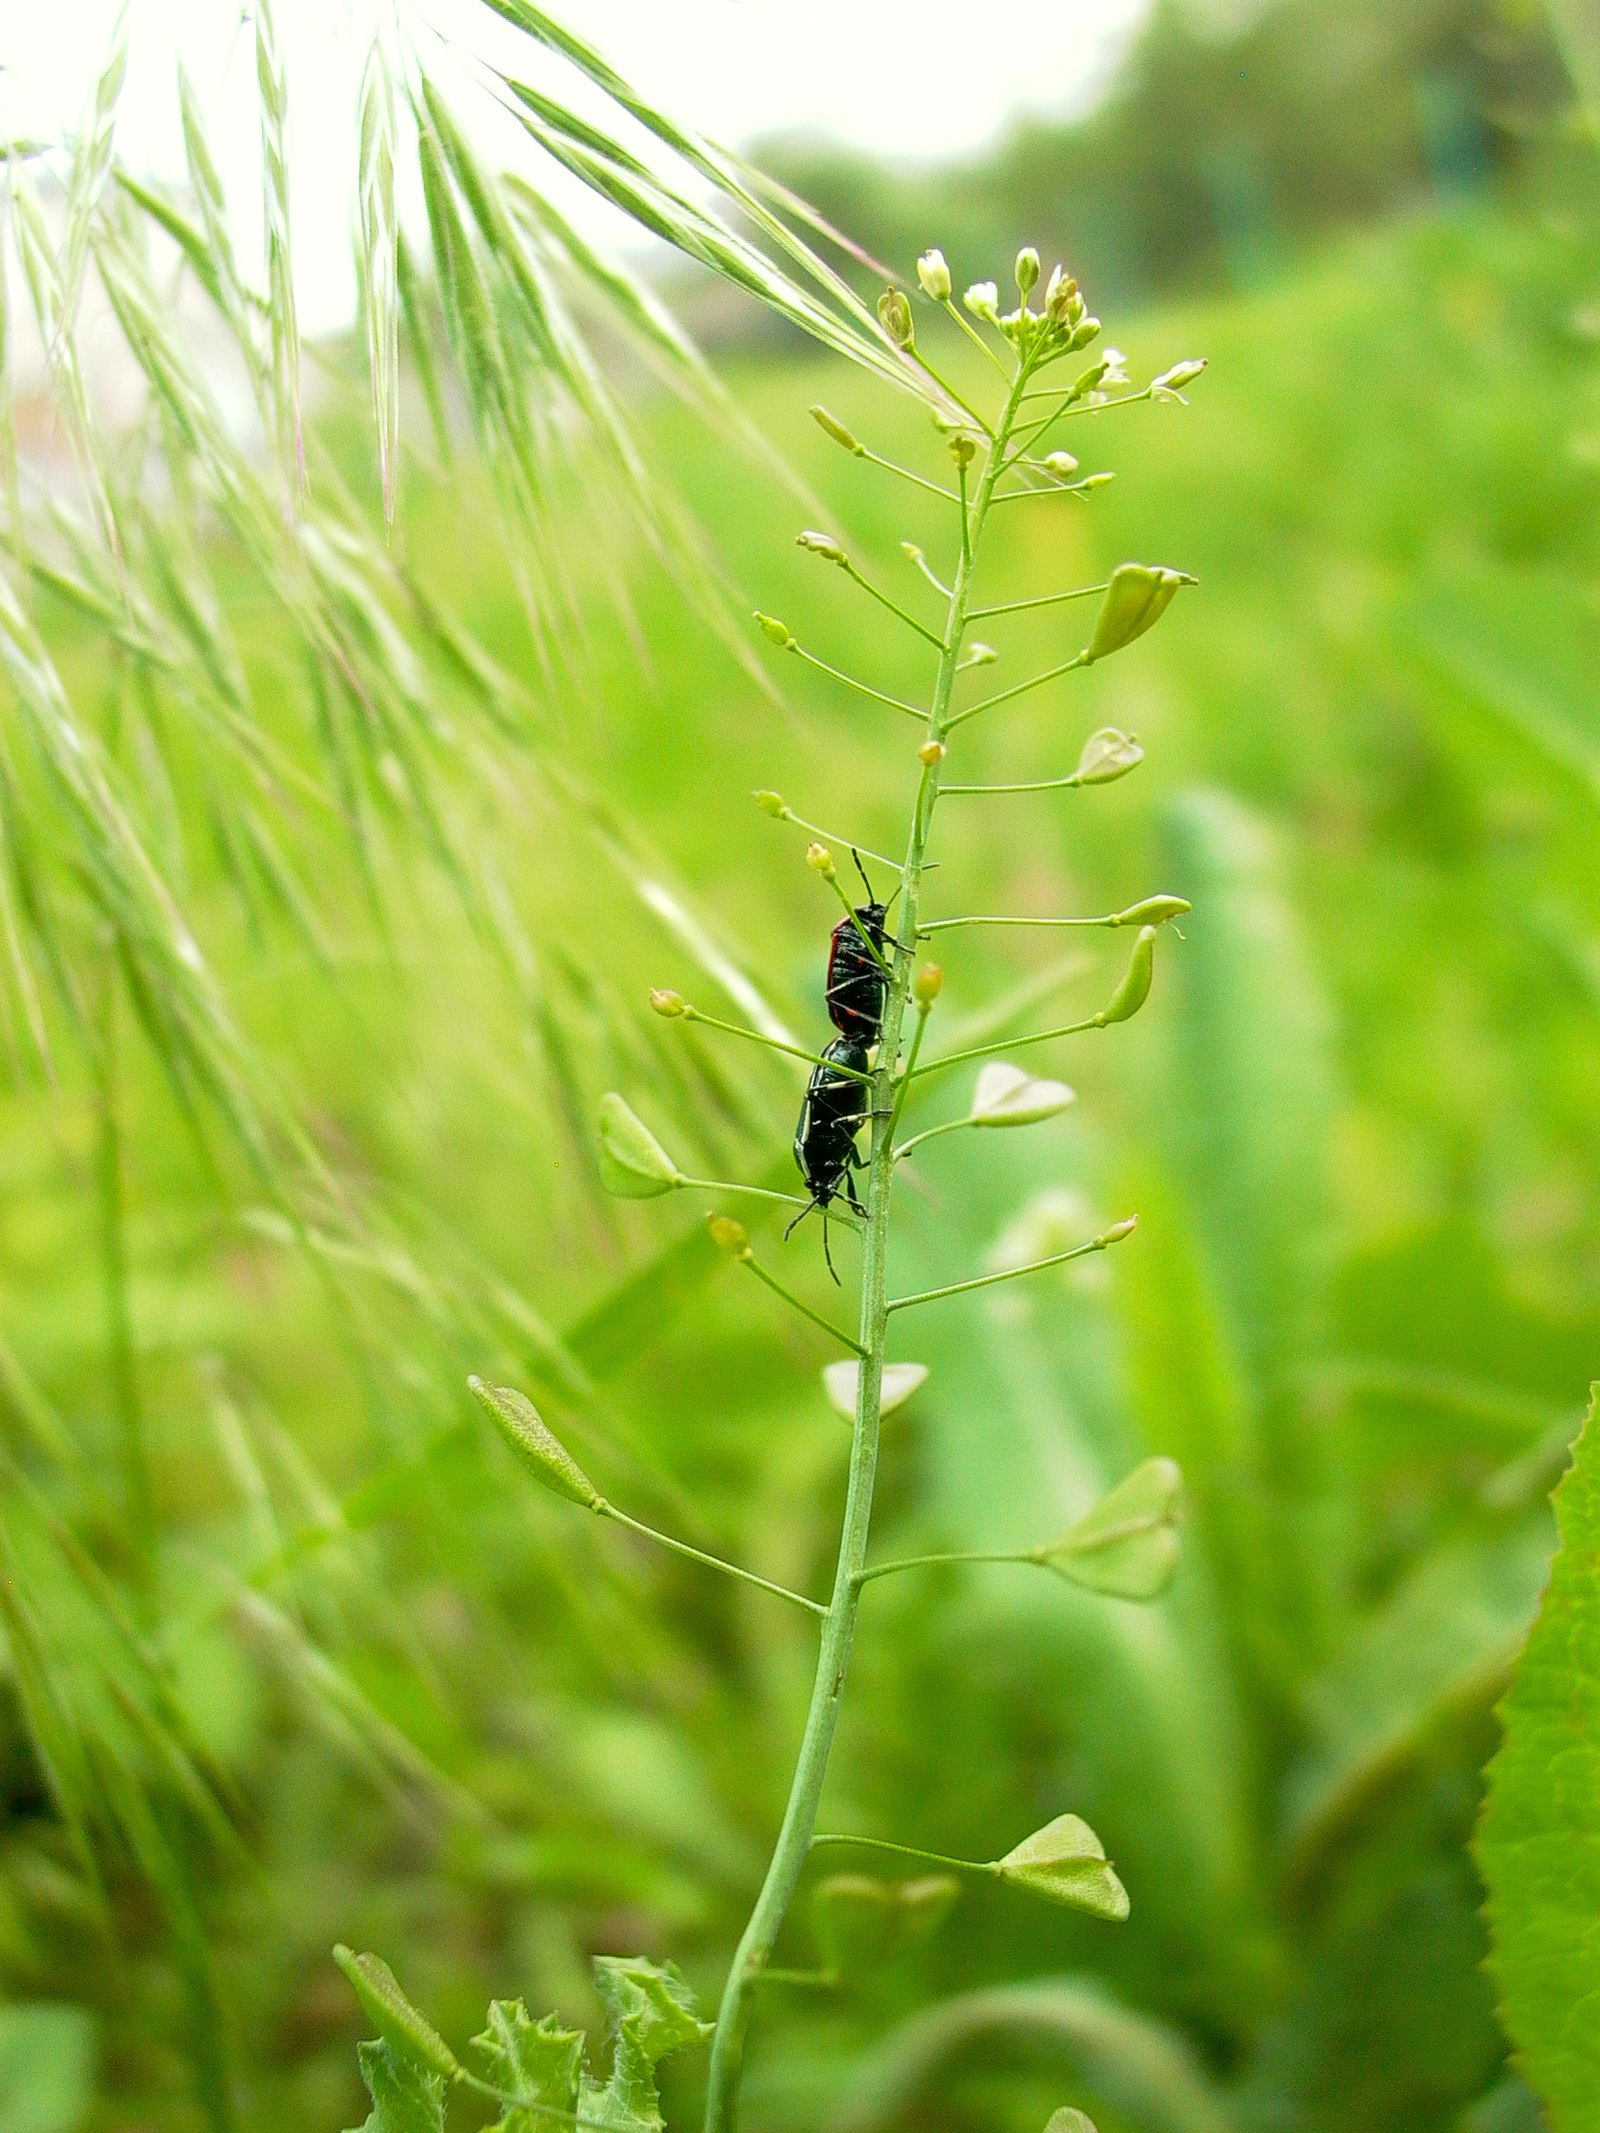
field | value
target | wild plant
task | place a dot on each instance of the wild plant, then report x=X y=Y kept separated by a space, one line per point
x=872 y=1078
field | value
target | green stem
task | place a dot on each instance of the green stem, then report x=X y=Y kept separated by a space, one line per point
x=1020 y=688
x=752 y=1192
x=862 y=688
x=894 y=607
x=891 y=466
x=1013 y=1044
x=1021 y=607
x=963 y=1555
x=851 y=844
x=983 y=918
x=749 y=1259
x=774 y=1044
x=930 y=1133
x=838 y=1631
x=1033 y=785
x=711 y=1562
x=912 y=1851
x=121 y=1344
x=1010 y=1273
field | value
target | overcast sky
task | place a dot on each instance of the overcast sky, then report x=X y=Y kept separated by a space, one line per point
x=910 y=78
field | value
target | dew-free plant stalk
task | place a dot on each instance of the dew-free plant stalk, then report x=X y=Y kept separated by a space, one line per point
x=1126 y=1545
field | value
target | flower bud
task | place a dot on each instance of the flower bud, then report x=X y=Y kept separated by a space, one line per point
x=1134 y=990
x=934 y=275
x=1087 y=380
x=980 y=655
x=773 y=804
x=983 y=301
x=633 y=1163
x=1059 y=295
x=931 y=752
x=927 y=985
x=778 y=631
x=894 y=315
x=1027 y=270
x=667 y=1002
x=837 y=431
x=963 y=448
x=1091 y=482
x=822 y=544
x=1171 y=382
x=1153 y=911
x=1086 y=330
x=1137 y=597
x=544 y=1456
x=1119 y=1230
x=1060 y=464
x=819 y=857
x=1107 y=755
x=728 y=1236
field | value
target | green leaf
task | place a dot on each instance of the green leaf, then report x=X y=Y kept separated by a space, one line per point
x=47 y=2056
x=650 y=2012
x=538 y=2061
x=1008 y=1095
x=538 y=1451
x=633 y=1163
x=1066 y=1862
x=1539 y=1842
x=1128 y=1544
x=406 y=2097
x=402 y=2025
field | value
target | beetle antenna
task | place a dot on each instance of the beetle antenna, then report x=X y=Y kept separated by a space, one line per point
x=861 y=870
x=832 y=1269
x=799 y=1218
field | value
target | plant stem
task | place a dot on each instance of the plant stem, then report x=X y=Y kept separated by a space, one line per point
x=1021 y=688
x=122 y=1351
x=862 y=688
x=712 y=1562
x=1009 y=1273
x=838 y=1631
x=912 y=1851
x=750 y=1260
x=964 y=1555
x=1021 y=607
x=688 y=1013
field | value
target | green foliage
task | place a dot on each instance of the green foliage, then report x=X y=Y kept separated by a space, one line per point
x=1539 y=1841
x=47 y=2068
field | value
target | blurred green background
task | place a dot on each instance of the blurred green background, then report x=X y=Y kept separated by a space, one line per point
x=293 y=1655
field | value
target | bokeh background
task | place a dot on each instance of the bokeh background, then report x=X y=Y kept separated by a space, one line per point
x=293 y=1656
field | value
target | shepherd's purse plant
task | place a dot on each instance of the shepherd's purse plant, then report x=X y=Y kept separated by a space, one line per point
x=869 y=1080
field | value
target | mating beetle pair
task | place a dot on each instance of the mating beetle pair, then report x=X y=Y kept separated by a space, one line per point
x=836 y=1099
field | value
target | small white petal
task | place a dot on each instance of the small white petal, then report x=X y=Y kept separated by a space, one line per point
x=1008 y=1095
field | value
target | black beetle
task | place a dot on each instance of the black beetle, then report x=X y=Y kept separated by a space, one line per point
x=858 y=984
x=833 y=1113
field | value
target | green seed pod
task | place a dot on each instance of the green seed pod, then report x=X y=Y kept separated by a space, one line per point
x=1087 y=380
x=837 y=431
x=667 y=1002
x=779 y=632
x=963 y=448
x=894 y=315
x=1137 y=597
x=822 y=544
x=1117 y=1231
x=927 y=985
x=1108 y=755
x=773 y=804
x=1134 y=990
x=1066 y=1862
x=1027 y=270
x=1153 y=911
x=934 y=275
x=1127 y=1545
x=729 y=1236
x=633 y=1163
x=820 y=859
x=1091 y=482
x=543 y=1455
x=383 y=2003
